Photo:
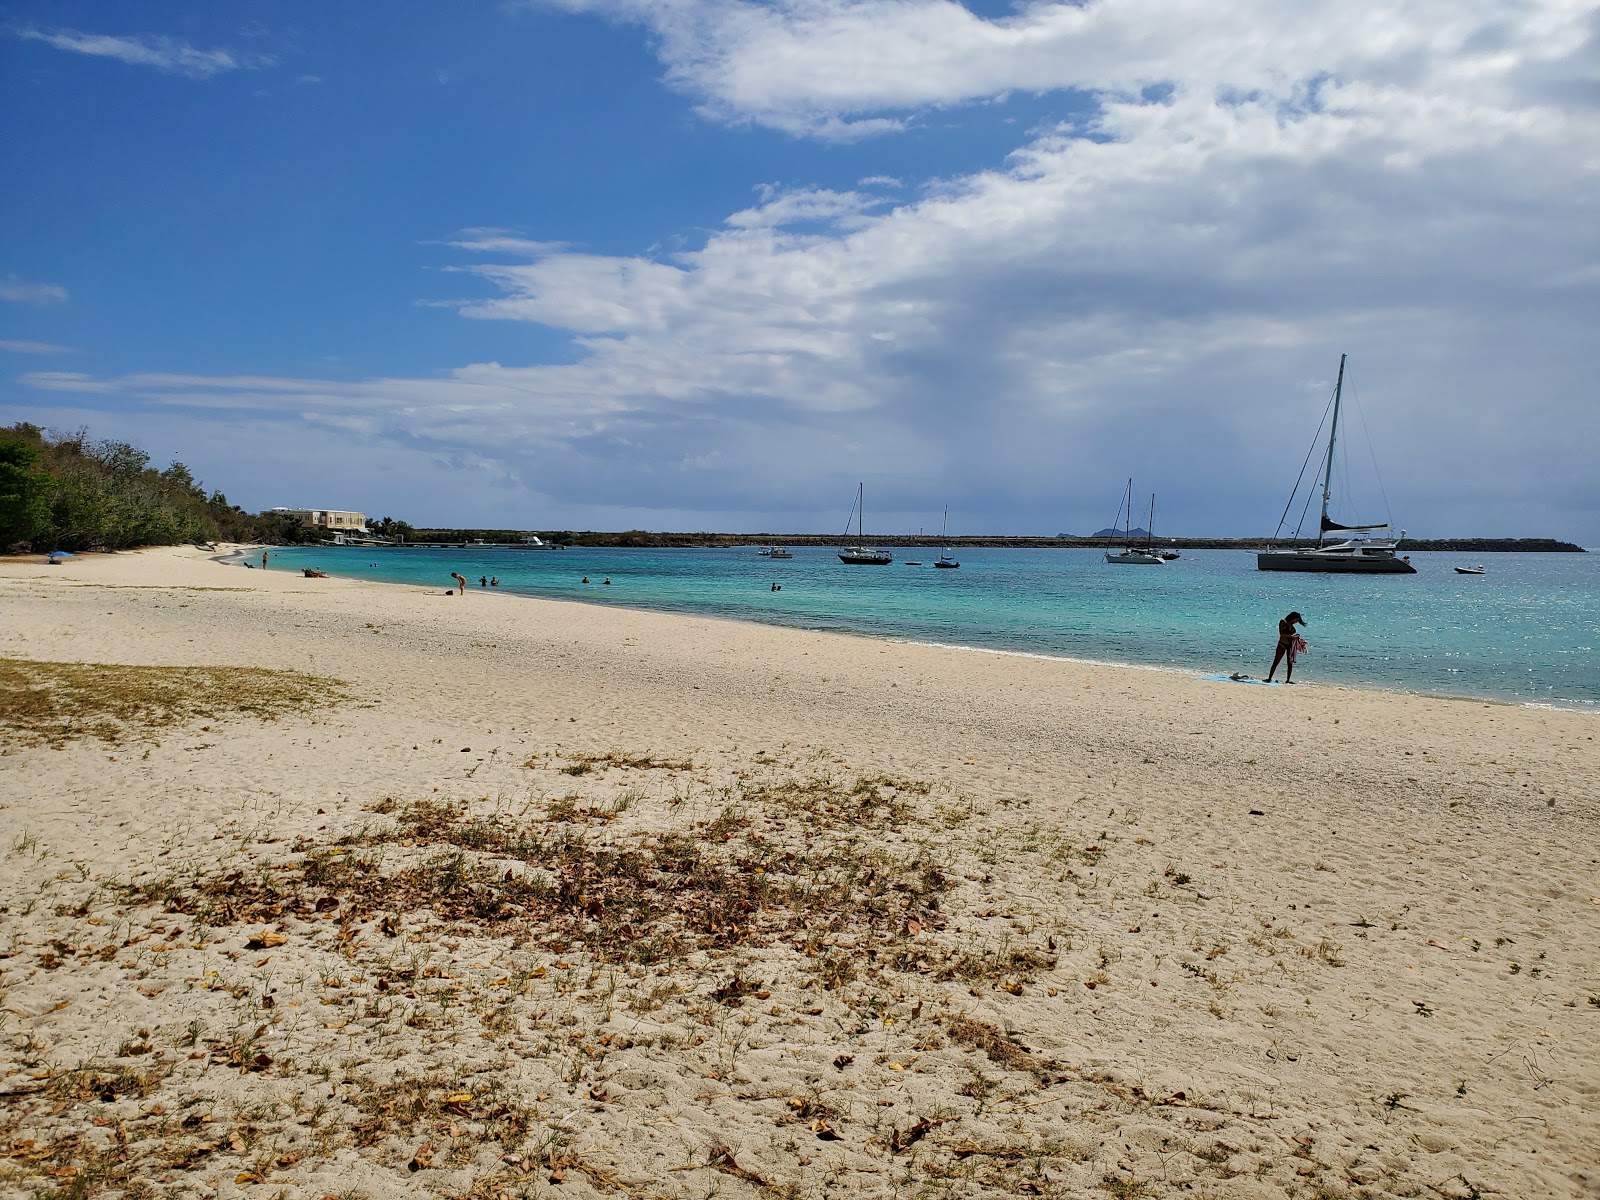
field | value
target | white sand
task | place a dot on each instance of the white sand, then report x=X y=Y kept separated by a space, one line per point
x=1387 y=983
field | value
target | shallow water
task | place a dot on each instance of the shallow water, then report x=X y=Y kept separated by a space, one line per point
x=1525 y=632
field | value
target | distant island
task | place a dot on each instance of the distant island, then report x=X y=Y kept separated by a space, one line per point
x=640 y=538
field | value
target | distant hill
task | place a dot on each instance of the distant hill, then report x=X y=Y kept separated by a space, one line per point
x=1134 y=534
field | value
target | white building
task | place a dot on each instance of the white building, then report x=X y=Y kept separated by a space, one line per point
x=327 y=518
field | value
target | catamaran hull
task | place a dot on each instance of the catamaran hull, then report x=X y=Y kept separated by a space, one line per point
x=1331 y=565
x=860 y=560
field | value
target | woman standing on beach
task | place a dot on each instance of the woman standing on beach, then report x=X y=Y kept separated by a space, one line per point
x=1287 y=636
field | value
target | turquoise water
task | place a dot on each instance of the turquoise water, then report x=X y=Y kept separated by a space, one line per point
x=1526 y=631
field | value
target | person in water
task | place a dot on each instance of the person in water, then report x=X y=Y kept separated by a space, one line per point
x=1286 y=640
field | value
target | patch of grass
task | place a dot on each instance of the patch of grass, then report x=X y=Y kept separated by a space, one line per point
x=870 y=801
x=585 y=763
x=992 y=1042
x=53 y=703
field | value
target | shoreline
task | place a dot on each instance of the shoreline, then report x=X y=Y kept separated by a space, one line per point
x=829 y=908
x=1567 y=705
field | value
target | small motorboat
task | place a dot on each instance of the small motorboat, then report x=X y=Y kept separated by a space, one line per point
x=1469 y=570
x=913 y=562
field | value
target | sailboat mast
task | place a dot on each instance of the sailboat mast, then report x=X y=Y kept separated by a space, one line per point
x=1333 y=434
x=1150 y=524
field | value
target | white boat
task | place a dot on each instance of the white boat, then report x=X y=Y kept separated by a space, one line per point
x=779 y=552
x=944 y=560
x=1359 y=555
x=765 y=551
x=863 y=556
x=1129 y=555
x=533 y=541
x=1469 y=570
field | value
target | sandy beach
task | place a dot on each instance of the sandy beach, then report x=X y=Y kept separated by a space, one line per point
x=368 y=891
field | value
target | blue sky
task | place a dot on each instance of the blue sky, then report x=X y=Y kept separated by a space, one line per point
x=704 y=264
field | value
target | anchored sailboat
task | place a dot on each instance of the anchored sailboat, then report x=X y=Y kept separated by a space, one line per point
x=863 y=556
x=944 y=559
x=1359 y=555
x=1128 y=555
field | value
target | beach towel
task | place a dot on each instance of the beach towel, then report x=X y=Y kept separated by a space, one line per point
x=1297 y=648
x=1237 y=678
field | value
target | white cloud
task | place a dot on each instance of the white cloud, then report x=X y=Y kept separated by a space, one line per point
x=818 y=66
x=20 y=346
x=68 y=381
x=1166 y=296
x=148 y=50
x=20 y=291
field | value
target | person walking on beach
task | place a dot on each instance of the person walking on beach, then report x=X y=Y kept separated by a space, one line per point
x=1287 y=637
x=263 y=560
x=461 y=582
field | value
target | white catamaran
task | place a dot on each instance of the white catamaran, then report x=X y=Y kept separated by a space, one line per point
x=1359 y=555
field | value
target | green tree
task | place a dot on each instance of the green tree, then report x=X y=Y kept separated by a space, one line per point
x=24 y=493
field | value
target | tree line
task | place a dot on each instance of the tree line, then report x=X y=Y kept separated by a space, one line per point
x=66 y=491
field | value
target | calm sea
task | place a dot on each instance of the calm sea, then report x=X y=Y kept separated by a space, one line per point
x=1526 y=631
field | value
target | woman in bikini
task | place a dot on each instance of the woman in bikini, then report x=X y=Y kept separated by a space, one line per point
x=1286 y=637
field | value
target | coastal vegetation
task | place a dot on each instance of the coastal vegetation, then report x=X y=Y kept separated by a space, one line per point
x=66 y=491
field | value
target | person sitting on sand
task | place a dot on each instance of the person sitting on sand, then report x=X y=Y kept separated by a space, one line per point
x=1286 y=641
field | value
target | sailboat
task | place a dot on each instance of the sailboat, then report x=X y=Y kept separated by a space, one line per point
x=1128 y=555
x=858 y=555
x=1356 y=556
x=944 y=559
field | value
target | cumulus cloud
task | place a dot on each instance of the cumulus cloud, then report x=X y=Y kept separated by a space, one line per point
x=148 y=50
x=817 y=66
